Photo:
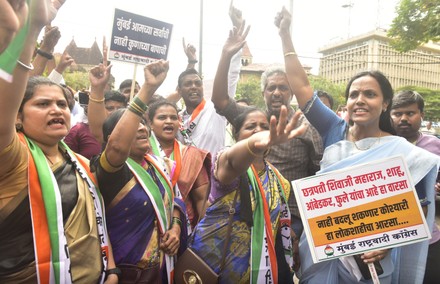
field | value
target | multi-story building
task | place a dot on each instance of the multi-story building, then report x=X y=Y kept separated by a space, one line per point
x=372 y=51
x=252 y=71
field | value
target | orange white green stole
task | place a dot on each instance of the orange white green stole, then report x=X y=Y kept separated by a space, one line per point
x=50 y=244
x=176 y=157
x=264 y=267
x=162 y=206
x=189 y=125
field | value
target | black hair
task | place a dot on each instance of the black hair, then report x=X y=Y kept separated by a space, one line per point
x=70 y=96
x=111 y=121
x=243 y=100
x=35 y=82
x=407 y=97
x=320 y=93
x=185 y=73
x=127 y=84
x=387 y=91
x=159 y=103
x=241 y=118
x=115 y=96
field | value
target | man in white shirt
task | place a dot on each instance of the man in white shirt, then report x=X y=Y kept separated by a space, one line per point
x=202 y=127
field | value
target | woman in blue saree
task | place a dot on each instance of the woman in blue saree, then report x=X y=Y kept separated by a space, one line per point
x=144 y=223
x=261 y=220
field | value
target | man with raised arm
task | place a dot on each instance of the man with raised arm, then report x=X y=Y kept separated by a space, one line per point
x=296 y=158
x=201 y=126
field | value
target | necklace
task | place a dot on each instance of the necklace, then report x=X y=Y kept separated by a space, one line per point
x=369 y=146
x=56 y=160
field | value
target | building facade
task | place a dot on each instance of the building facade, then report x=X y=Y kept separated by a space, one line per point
x=372 y=51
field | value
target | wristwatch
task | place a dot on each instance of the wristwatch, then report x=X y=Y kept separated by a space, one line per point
x=45 y=54
x=115 y=270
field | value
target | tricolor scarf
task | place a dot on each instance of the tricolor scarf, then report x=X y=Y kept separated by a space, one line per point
x=175 y=156
x=188 y=126
x=285 y=219
x=264 y=267
x=162 y=206
x=50 y=244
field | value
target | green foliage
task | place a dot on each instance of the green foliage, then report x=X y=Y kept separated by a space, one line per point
x=432 y=101
x=417 y=22
x=77 y=80
x=336 y=91
x=251 y=91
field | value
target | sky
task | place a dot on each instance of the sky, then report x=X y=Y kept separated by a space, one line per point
x=315 y=24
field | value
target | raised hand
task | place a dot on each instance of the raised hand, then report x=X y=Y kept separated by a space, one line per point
x=155 y=73
x=283 y=20
x=190 y=51
x=65 y=61
x=236 y=39
x=235 y=15
x=42 y=12
x=100 y=74
x=50 y=39
x=279 y=132
x=54 y=7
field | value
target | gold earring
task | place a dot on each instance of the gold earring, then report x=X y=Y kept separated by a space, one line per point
x=18 y=126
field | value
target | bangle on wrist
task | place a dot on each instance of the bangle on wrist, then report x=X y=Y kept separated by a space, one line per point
x=252 y=152
x=115 y=270
x=289 y=53
x=29 y=67
x=193 y=61
x=137 y=107
x=45 y=54
x=140 y=104
x=96 y=100
x=177 y=221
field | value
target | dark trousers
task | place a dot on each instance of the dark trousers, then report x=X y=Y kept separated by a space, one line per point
x=432 y=272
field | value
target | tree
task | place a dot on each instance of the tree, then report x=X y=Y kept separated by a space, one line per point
x=251 y=91
x=77 y=80
x=335 y=90
x=417 y=22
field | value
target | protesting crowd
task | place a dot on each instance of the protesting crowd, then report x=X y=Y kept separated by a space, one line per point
x=124 y=186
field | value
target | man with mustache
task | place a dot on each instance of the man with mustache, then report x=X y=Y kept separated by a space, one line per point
x=407 y=115
x=295 y=159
